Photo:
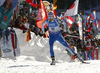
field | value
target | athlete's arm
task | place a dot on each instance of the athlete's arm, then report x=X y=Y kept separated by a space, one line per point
x=43 y=24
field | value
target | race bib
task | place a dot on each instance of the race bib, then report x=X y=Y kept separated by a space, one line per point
x=54 y=29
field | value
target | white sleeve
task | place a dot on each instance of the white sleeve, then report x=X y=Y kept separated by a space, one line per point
x=43 y=24
x=64 y=23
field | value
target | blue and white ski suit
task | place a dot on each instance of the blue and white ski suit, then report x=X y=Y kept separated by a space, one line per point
x=55 y=34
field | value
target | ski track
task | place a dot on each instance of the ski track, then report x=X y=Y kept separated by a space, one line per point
x=21 y=65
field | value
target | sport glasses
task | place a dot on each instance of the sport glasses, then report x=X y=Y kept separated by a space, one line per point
x=50 y=17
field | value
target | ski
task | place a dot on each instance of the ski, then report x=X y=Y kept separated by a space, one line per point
x=82 y=61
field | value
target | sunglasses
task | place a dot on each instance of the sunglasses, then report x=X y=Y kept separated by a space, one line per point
x=50 y=17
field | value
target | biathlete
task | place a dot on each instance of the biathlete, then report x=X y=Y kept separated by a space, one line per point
x=55 y=34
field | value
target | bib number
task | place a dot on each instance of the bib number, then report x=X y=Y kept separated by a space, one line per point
x=52 y=28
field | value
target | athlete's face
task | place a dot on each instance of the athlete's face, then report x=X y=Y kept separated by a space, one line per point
x=51 y=18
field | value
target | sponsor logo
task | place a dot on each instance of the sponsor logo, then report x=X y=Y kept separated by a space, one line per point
x=53 y=24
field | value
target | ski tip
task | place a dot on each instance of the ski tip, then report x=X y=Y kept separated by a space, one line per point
x=85 y=62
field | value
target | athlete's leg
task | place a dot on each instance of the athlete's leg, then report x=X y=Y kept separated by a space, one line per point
x=63 y=42
x=51 y=42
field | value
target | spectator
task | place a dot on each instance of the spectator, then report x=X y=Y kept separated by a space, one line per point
x=89 y=48
x=19 y=23
x=6 y=13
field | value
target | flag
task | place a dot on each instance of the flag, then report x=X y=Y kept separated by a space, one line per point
x=79 y=22
x=95 y=23
x=78 y=19
x=61 y=17
x=29 y=1
x=99 y=23
x=69 y=20
x=73 y=10
x=54 y=4
x=13 y=39
x=55 y=13
x=28 y=36
x=89 y=29
x=93 y=15
x=41 y=16
x=88 y=47
x=88 y=20
x=32 y=2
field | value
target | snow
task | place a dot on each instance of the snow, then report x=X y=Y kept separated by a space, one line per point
x=35 y=58
x=25 y=64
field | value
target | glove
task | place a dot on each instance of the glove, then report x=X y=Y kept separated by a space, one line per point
x=64 y=34
x=44 y=36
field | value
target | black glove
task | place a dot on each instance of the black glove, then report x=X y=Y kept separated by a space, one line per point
x=64 y=34
x=44 y=36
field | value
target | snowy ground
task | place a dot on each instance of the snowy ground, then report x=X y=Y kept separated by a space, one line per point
x=35 y=58
x=25 y=64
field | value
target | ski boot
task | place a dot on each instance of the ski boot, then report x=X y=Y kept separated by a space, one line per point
x=53 y=60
